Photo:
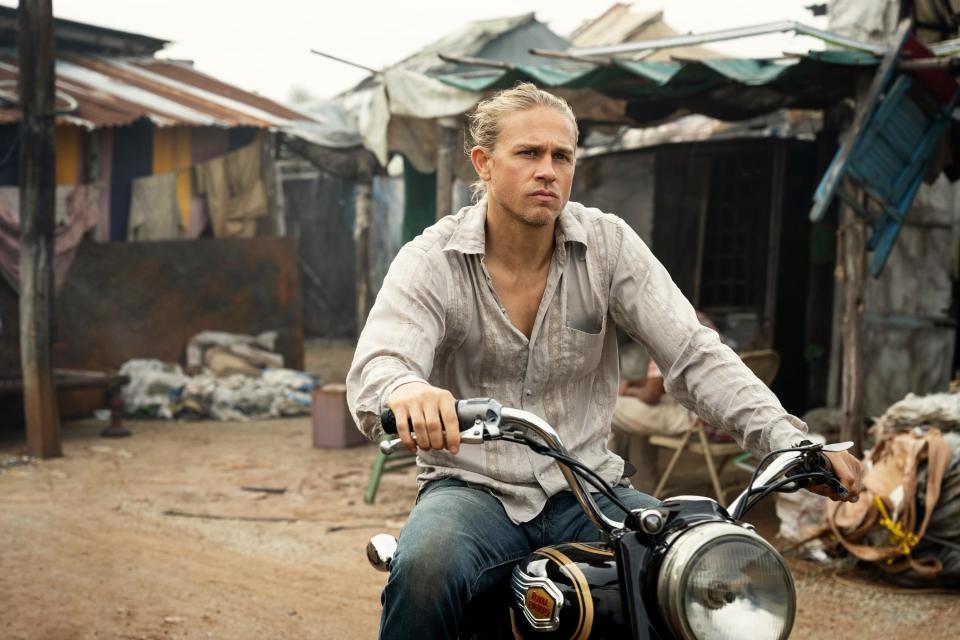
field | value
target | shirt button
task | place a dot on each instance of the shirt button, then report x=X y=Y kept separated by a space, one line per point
x=528 y=393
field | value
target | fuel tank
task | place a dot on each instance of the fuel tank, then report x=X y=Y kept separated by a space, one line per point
x=570 y=592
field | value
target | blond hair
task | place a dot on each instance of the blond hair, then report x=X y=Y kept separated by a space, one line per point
x=485 y=119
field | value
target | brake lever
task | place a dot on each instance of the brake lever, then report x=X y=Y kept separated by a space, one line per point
x=816 y=462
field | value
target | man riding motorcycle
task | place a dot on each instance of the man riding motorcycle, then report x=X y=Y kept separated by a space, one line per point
x=516 y=298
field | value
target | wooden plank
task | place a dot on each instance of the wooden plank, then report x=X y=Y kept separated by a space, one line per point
x=866 y=103
x=37 y=208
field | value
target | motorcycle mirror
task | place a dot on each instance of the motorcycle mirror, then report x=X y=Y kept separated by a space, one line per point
x=837 y=446
x=380 y=551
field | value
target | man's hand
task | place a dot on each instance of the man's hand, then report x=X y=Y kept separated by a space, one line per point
x=433 y=413
x=847 y=469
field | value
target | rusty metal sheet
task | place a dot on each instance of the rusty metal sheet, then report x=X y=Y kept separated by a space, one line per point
x=112 y=91
x=147 y=299
x=188 y=75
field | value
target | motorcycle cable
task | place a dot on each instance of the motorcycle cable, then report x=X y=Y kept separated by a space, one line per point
x=770 y=488
x=588 y=474
x=763 y=461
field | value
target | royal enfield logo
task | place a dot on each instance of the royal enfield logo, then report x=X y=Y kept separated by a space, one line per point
x=539 y=604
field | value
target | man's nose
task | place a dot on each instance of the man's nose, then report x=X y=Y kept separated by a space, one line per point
x=545 y=169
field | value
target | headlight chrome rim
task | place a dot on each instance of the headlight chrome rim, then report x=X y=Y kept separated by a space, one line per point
x=685 y=548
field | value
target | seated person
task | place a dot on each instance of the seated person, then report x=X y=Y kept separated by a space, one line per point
x=644 y=409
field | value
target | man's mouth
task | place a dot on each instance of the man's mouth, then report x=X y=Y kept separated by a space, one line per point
x=543 y=195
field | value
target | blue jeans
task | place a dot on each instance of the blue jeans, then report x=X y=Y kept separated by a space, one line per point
x=459 y=541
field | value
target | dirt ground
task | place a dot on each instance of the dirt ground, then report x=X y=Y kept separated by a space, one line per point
x=154 y=536
x=159 y=536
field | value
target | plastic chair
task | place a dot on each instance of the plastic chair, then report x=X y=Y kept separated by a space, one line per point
x=765 y=364
x=385 y=464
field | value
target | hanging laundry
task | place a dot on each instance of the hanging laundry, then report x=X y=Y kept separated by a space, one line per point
x=103 y=142
x=235 y=192
x=154 y=214
x=79 y=213
x=198 y=217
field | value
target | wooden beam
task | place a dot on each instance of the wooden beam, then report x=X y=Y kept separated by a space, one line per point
x=778 y=175
x=35 y=47
x=274 y=223
x=447 y=135
x=853 y=232
x=698 y=177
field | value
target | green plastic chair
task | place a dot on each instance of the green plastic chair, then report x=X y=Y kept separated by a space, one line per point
x=402 y=459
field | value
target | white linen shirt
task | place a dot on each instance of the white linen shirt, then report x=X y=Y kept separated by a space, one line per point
x=437 y=319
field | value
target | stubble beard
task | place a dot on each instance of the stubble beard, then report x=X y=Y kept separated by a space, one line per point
x=538 y=217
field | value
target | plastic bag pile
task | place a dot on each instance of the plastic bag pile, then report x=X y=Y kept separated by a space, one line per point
x=228 y=377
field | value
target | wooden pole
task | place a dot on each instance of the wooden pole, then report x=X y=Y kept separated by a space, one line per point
x=361 y=240
x=37 y=201
x=447 y=129
x=275 y=222
x=853 y=232
x=773 y=238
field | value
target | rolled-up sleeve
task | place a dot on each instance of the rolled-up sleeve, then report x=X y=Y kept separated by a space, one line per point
x=702 y=373
x=399 y=340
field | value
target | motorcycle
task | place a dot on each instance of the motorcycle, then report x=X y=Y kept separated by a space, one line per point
x=686 y=569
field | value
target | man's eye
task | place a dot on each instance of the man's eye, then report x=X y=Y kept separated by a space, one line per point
x=560 y=156
x=528 y=153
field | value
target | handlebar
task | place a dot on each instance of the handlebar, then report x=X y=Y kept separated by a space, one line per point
x=485 y=419
x=805 y=462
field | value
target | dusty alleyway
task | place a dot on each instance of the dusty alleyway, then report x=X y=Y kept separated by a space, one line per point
x=103 y=543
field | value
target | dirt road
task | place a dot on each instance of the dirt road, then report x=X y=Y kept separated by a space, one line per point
x=154 y=537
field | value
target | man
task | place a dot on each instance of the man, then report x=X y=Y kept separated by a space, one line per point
x=515 y=298
x=644 y=409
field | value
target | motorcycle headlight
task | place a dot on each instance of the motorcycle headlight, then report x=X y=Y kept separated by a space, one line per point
x=719 y=581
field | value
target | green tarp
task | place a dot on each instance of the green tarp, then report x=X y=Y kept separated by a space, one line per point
x=728 y=89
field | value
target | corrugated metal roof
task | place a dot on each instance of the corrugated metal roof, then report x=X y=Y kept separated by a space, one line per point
x=115 y=91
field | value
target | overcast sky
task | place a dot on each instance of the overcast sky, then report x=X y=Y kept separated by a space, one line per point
x=264 y=46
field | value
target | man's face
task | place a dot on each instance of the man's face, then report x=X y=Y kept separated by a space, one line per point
x=530 y=172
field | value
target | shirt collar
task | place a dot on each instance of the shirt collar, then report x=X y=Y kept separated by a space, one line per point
x=470 y=235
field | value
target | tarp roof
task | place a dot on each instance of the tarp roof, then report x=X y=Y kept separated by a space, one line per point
x=486 y=38
x=621 y=23
x=399 y=115
x=721 y=88
x=506 y=39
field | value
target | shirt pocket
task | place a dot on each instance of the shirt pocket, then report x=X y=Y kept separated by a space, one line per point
x=582 y=350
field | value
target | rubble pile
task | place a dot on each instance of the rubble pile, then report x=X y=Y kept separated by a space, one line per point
x=228 y=377
x=907 y=520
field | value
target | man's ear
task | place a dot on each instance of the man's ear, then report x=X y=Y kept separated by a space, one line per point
x=481 y=162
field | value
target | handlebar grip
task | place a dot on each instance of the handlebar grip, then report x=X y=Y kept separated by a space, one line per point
x=389 y=422
x=468 y=412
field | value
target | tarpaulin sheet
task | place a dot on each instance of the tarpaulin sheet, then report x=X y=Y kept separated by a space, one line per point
x=726 y=88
